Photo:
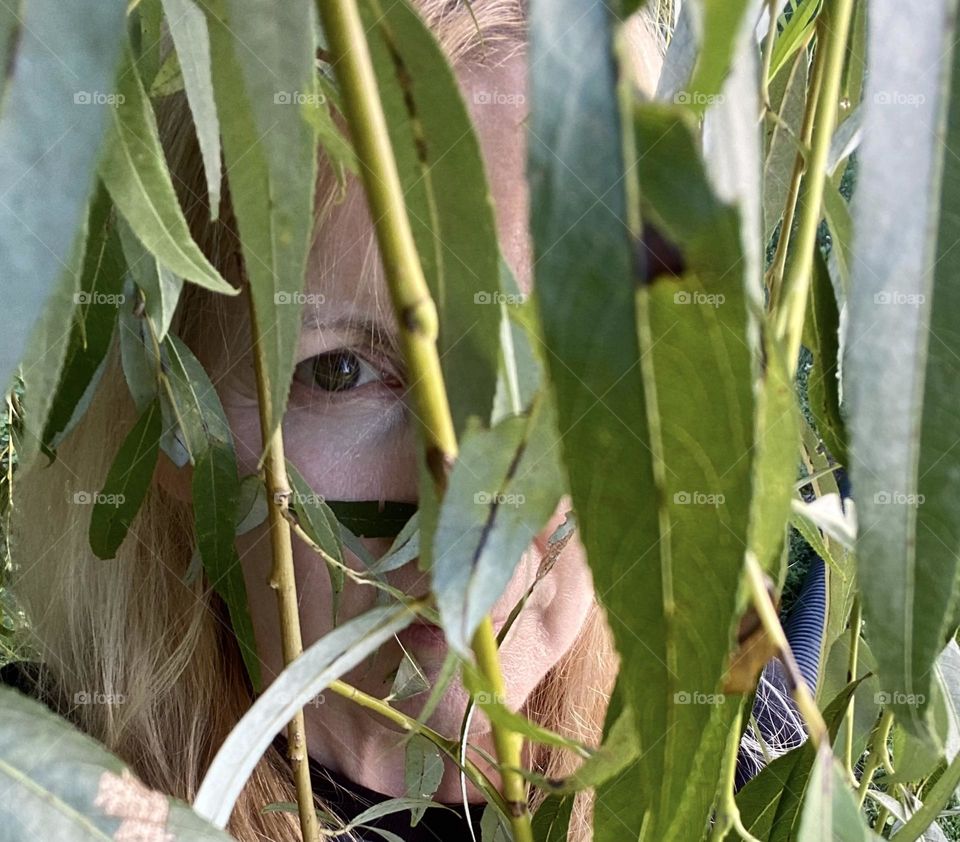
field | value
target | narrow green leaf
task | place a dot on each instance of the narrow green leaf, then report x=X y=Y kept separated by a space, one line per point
x=62 y=784
x=138 y=356
x=770 y=802
x=98 y=301
x=128 y=479
x=697 y=370
x=448 y=200
x=585 y=293
x=325 y=660
x=783 y=141
x=215 y=487
x=159 y=286
x=493 y=827
x=55 y=92
x=830 y=810
x=793 y=33
x=263 y=58
x=934 y=801
x=719 y=24
x=168 y=80
x=552 y=821
x=134 y=170
x=504 y=487
x=902 y=349
x=188 y=26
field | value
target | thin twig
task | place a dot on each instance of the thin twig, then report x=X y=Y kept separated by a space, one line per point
x=816 y=727
x=833 y=30
x=283 y=579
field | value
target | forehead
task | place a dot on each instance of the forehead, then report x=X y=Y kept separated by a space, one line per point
x=344 y=265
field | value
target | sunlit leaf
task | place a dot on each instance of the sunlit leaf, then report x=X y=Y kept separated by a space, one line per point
x=830 y=810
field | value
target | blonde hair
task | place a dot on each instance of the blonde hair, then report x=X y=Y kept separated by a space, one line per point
x=162 y=649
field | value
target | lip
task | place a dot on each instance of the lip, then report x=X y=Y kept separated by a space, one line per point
x=422 y=634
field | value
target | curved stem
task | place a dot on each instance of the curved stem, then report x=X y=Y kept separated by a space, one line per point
x=408 y=723
x=834 y=29
x=779 y=262
x=509 y=743
x=728 y=813
x=283 y=579
x=816 y=727
x=875 y=758
x=852 y=665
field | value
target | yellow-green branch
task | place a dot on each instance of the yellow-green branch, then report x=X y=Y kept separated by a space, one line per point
x=283 y=581
x=417 y=319
x=834 y=28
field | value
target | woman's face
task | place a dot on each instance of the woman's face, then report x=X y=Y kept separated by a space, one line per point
x=349 y=430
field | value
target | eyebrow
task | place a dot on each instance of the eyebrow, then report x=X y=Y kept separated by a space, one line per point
x=377 y=333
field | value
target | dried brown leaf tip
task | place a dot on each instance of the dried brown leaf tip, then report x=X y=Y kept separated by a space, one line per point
x=142 y=811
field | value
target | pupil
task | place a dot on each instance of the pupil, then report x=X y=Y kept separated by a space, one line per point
x=336 y=371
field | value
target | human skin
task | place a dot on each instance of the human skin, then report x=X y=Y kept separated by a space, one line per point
x=359 y=444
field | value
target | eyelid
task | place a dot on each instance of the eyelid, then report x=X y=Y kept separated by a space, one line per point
x=372 y=361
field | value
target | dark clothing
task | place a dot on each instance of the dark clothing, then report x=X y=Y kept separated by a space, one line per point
x=347 y=800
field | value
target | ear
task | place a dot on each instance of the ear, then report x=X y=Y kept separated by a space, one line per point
x=175 y=481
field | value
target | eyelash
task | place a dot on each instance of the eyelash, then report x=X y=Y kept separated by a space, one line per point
x=378 y=375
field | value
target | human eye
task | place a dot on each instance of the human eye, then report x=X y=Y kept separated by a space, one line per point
x=343 y=370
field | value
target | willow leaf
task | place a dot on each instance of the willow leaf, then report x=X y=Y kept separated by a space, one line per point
x=325 y=660
x=263 y=67
x=902 y=350
x=67 y=54
x=188 y=26
x=128 y=479
x=134 y=170
x=448 y=200
x=62 y=784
